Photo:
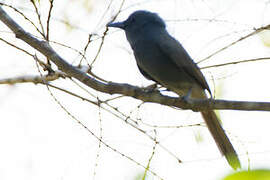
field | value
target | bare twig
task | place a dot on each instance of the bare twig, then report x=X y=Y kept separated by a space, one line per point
x=120 y=115
x=23 y=15
x=26 y=52
x=39 y=18
x=105 y=33
x=208 y=20
x=175 y=127
x=44 y=65
x=105 y=11
x=151 y=157
x=31 y=79
x=237 y=62
x=73 y=49
x=85 y=49
x=114 y=98
x=48 y=19
x=101 y=141
x=99 y=48
x=234 y=42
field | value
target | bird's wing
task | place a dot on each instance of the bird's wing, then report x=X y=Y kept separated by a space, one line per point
x=180 y=57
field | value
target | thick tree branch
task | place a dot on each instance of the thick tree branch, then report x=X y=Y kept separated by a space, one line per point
x=124 y=89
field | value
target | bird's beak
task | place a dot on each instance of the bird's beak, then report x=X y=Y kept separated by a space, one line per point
x=120 y=25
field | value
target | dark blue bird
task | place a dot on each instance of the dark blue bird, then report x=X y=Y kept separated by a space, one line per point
x=163 y=59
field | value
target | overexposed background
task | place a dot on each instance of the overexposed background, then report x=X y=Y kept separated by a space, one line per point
x=39 y=140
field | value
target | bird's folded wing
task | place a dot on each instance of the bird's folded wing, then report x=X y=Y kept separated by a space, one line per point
x=172 y=48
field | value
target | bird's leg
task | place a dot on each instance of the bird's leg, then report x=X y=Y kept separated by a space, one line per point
x=186 y=97
x=151 y=87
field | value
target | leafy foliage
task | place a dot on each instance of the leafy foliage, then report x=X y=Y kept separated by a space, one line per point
x=259 y=174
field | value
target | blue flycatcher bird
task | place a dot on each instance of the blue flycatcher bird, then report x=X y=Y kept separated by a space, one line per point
x=163 y=59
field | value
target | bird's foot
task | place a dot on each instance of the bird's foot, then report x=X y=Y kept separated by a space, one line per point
x=186 y=97
x=150 y=88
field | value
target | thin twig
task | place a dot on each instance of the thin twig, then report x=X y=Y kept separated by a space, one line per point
x=114 y=98
x=69 y=47
x=23 y=15
x=234 y=42
x=48 y=19
x=99 y=143
x=31 y=79
x=208 y=20
x=16 y=47
x=237 y=62
x=174 y=127
x=125 y=119
x=39 y=18
x=85 y=49
x=104 y=13
x=44 y=65
x=94 y=135
x=223 y=36
x=86 y=128
x=151 y=157
x=105 y=33
x=90 y=35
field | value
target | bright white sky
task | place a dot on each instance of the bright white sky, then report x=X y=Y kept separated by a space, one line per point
x=40 y=141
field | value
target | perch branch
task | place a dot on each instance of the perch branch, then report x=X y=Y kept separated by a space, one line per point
x=125 y=89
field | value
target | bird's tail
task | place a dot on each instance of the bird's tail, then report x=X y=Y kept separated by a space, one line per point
x=221 y=138
x=218 y=133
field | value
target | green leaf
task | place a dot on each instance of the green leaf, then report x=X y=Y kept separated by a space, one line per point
x=259 y=174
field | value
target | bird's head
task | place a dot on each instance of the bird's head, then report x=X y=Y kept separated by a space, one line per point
x=138 y=20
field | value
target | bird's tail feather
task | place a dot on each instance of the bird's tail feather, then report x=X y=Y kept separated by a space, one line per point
x=221 y=138
x=218 y=133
